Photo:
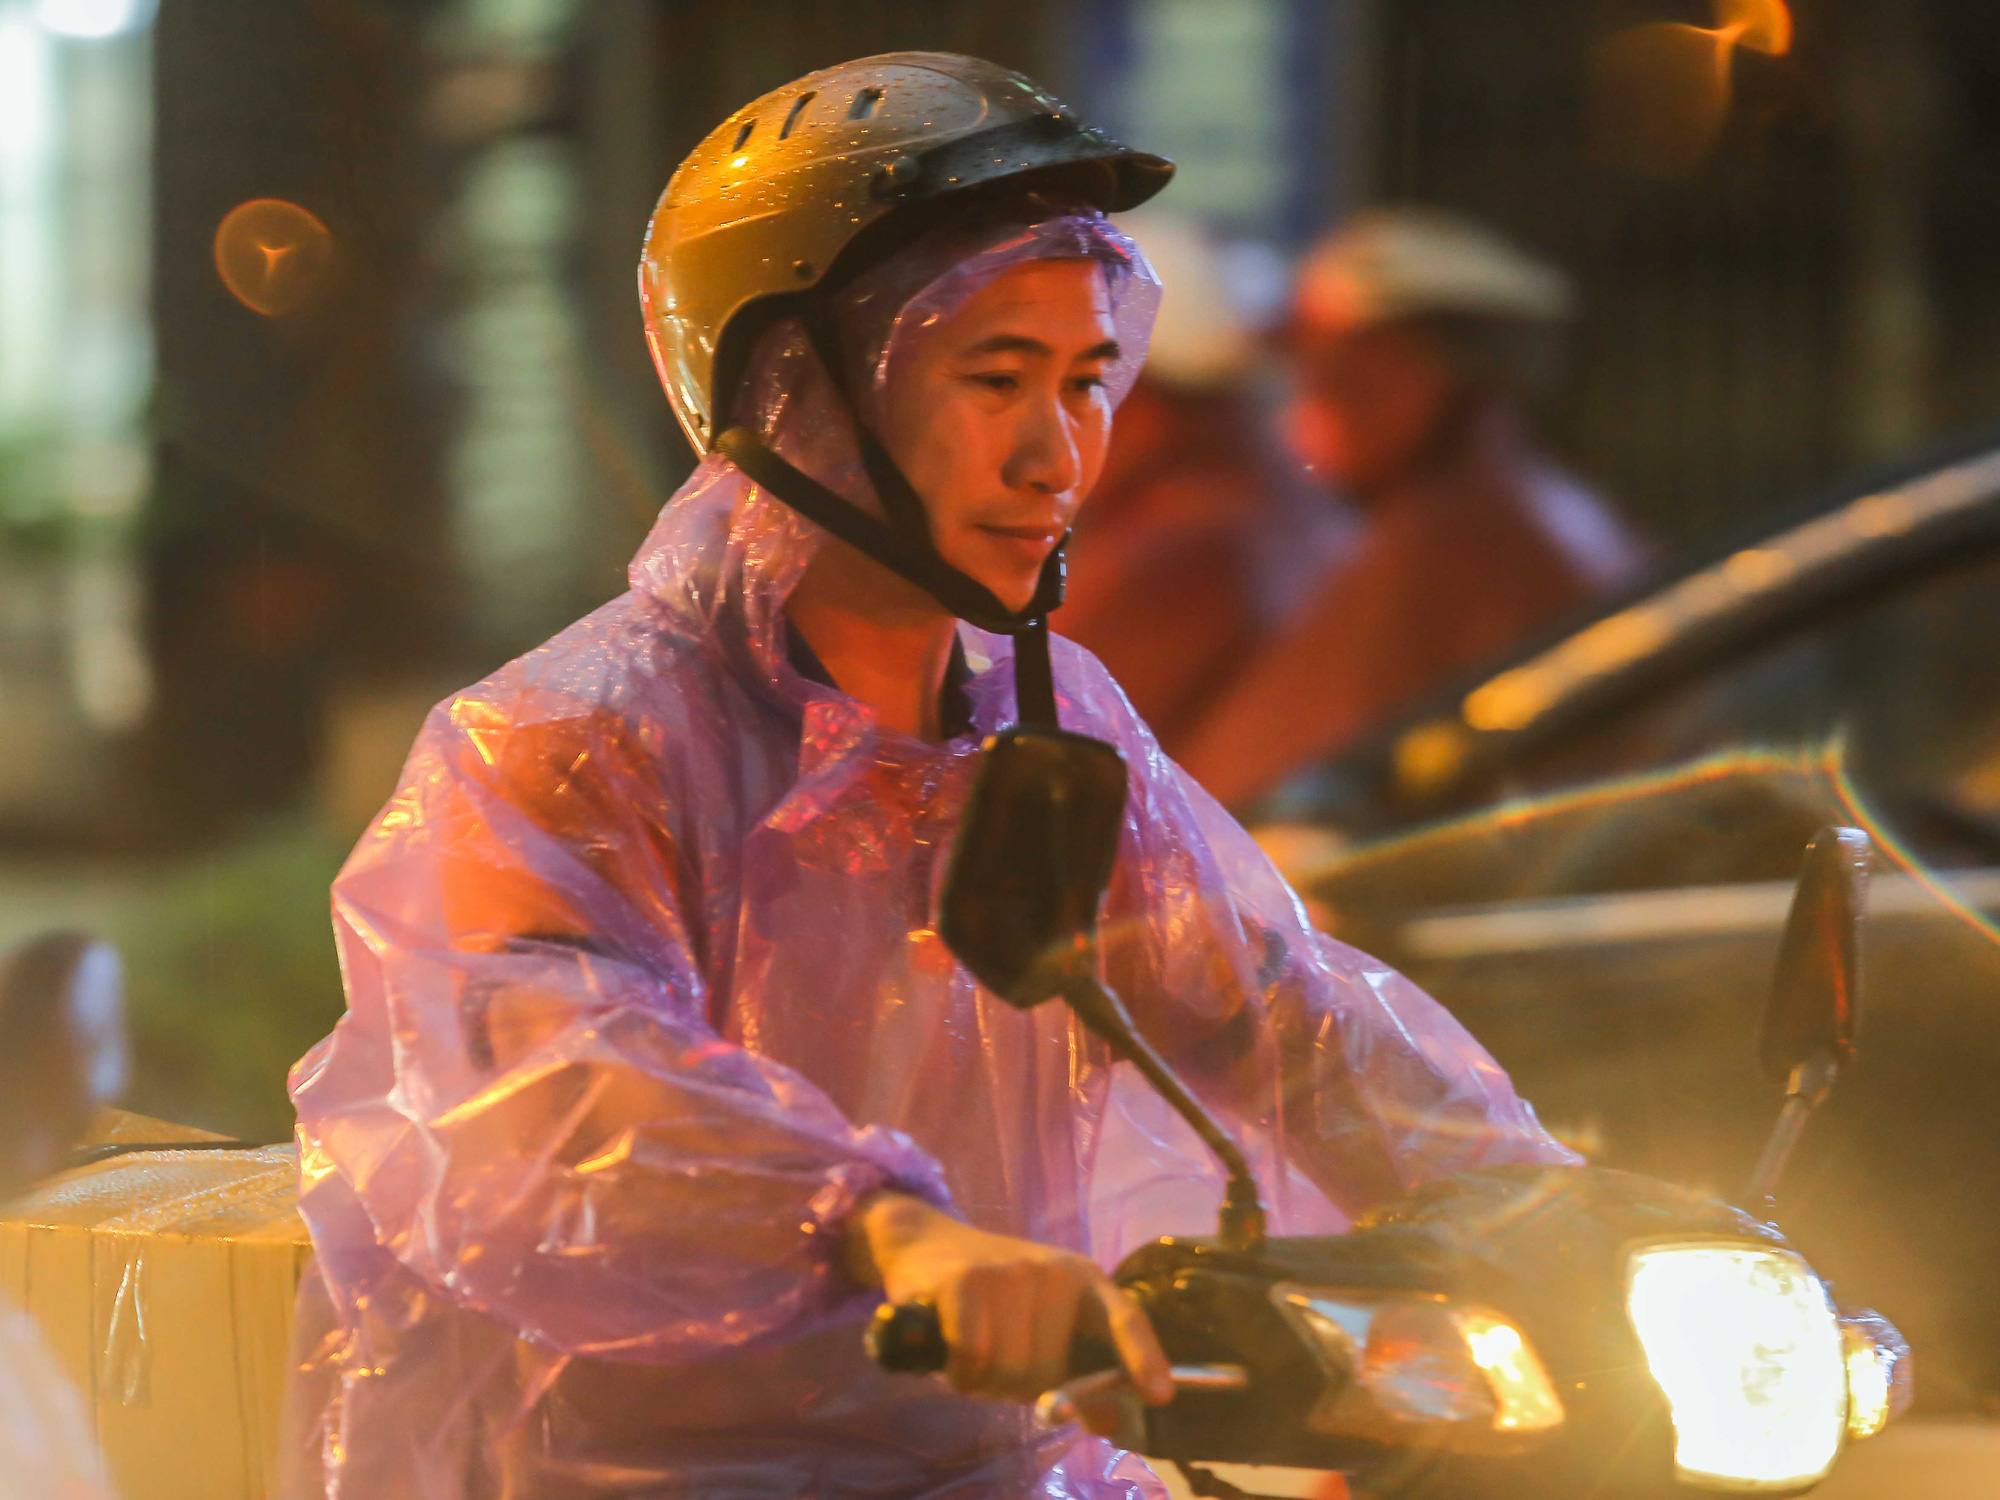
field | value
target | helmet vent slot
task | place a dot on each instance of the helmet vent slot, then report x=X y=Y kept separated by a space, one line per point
x=864 y=104
x=743 y=134
x=792 y=115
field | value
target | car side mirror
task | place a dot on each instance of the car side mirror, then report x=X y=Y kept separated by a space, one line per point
x=1032 y=859
x=1811 y=1018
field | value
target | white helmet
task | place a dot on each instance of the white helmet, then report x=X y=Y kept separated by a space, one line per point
x=1405 y=262
x=1204 y=333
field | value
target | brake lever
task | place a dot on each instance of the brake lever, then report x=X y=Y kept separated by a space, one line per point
x=1099 y=1382
x=1108 y=1404
x=908 y=1339
x=1105 y=1401
x=1206 y=1482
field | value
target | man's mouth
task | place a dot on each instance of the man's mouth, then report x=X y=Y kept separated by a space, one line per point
x=1028 y=544
x=1046 y=533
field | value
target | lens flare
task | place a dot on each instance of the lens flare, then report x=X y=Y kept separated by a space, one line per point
x=1761 y=25
x=93 y=20
x=1898 y=855
x=272 y=255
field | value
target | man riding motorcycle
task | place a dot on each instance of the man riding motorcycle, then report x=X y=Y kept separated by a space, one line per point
x=656 y=1076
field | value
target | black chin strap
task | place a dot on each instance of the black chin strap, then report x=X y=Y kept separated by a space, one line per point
x=903 y=544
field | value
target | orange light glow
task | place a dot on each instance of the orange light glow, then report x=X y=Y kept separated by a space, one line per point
x=1761 y=25
x=272 y=255
x=1661 y=93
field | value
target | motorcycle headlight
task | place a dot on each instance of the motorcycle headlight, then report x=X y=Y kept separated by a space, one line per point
x=1743 y=1343
x=1409 y=1366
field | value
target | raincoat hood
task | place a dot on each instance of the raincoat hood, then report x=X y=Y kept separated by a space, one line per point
x=856 y=338
x=645 y=994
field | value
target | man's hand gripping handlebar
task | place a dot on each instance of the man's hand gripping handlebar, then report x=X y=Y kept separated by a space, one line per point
x=1004 y=1317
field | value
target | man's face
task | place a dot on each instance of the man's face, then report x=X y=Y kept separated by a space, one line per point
x=1369 y=401
x=999 y=418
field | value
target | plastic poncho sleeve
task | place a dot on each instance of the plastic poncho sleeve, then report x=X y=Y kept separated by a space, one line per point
x=538 y=1113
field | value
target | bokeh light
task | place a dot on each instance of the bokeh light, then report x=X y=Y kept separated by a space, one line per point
x=1761 y=25
x=1661 y=93
x=272 y=255
x=92 y=19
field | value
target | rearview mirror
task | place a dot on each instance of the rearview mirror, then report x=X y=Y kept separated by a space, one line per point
x=1019 y=907
x=1811 y=1019
x=1033 y=857
x=1809 y=1022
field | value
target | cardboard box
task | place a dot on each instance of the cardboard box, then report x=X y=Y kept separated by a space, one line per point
x=163 y=1282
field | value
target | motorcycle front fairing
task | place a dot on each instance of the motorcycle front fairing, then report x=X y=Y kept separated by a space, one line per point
x=1547 y=1252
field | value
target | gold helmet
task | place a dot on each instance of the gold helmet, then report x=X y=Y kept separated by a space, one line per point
x=822 y=176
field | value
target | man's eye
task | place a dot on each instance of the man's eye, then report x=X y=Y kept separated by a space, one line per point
x=1083 y=384
x=1005 y=381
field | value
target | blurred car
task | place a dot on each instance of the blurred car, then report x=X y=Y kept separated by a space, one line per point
x=1587 y=852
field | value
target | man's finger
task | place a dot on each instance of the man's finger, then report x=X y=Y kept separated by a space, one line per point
x=963 y=1315
x=1054 y=1317
x=1138 y=1346
x=1013 y=1295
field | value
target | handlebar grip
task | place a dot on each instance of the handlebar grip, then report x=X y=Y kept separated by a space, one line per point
x=908 y=1339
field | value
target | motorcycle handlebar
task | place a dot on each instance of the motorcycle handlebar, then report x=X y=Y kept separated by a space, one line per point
x=908 y=1339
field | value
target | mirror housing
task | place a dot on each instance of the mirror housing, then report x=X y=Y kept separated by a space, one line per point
x=1028 y=871
x=1811 y=1019
x=1032 y=859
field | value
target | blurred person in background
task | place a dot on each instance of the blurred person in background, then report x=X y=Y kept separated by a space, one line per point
x=1421 y=344
x=1163 y=563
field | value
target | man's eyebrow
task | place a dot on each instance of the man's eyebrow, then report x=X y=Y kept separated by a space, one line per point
x=1021 y=343
x=1009 y=343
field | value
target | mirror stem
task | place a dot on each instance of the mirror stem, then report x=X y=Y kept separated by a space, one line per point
x=1812 y=1080
x=1242 y=1216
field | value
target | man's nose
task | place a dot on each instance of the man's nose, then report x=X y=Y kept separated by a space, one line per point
x=1044 y=455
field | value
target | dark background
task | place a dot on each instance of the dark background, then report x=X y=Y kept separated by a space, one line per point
x=1814 y=298
x=453 y=448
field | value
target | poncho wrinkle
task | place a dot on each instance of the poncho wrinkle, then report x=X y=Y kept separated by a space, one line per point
x=644 y=995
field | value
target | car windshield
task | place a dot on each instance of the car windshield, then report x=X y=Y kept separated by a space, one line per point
x=1609 y=923
x=1904 y=692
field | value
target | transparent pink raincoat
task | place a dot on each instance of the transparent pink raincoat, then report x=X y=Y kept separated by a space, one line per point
x=644 y=996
